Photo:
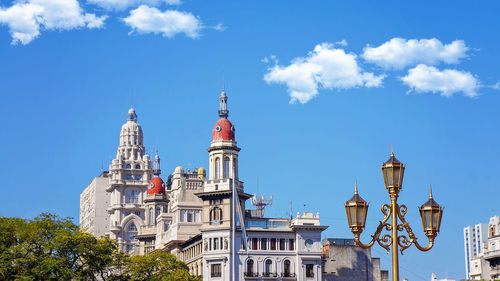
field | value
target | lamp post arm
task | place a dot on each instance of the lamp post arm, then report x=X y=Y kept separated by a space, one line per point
x=403 y=241
x=385 y=241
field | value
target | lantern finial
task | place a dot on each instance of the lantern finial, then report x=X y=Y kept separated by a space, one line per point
x=392 y=151
x=355 y=186
x=430 y=192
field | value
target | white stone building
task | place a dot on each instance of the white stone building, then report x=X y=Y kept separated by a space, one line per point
x=475 y=238
x=194 y=215
x=94 y=201
x=486 y=265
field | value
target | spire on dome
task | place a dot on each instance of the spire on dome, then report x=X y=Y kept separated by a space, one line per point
x=156 y=165
x=223 y=112
x=131 y=115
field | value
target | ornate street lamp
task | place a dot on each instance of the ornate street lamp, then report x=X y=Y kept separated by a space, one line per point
x=356 y=209
x=430 y=213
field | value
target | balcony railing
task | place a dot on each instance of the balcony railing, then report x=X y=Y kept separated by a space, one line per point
x=288 y=275
x=251 y=274
x=269 y=275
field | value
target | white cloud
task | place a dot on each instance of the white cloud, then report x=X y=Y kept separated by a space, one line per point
x=399 y=53
x=324 y=67
x=26 y=18
x=343 y=42
x=425 y=78
x=120 y=5
x=146 y=19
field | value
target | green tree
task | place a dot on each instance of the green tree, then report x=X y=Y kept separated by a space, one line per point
x=158 y=266
x=53 y=248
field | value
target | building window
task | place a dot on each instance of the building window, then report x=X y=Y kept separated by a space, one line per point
x=128 y=166
x=250 y=271
x=286 y=269
x=216 y=243
x=215 y=215
x=132 y=196
x=183 y=215
x=268 y=268
x=138 y=213
x=197 y=216
x=215 y=270
x=190 y=216
x=165 y=226
x=158 y=211
x=137 y=167
x=226 y=167
x=131 y=232
x=151 y=216
x=273 y=244
x=217 y=168
x=132 y=227
x=282 y=244
x=254 y=244
x=309 y=270
x=292 y=245
x=263 y=244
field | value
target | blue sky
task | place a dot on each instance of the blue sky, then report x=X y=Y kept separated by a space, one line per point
x=317 y=92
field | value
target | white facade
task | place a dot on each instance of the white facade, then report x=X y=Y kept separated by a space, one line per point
x=193 y=216
x=94 y=201
x=486 y=264
x=475 y=238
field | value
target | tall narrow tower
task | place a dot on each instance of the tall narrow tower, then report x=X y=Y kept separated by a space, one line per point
x=130 y=173
x=217 y=197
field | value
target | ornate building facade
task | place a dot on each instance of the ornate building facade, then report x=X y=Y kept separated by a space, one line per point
x=200 y=216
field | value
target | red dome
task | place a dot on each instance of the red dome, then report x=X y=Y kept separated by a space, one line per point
x=223 y=130
x=156 y=186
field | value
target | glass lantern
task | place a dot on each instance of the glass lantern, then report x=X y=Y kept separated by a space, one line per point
x=356 y=210
x=393 y=172
x=431 y=213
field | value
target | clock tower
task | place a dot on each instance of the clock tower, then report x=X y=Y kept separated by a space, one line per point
x=218 y=210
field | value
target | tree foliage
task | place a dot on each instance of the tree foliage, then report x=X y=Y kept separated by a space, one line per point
x=158 y=266
x=52 y=248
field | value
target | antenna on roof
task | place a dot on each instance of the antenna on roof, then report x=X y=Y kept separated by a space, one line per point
x=260 y=202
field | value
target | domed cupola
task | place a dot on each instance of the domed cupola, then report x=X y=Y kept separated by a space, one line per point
x=223 y=129
x=156 y=186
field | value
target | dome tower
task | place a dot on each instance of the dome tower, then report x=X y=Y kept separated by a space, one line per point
x=156 y=199
x=223 y=151
x=130 y=173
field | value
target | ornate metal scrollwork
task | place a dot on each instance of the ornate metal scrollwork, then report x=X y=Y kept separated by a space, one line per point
x=386 y=240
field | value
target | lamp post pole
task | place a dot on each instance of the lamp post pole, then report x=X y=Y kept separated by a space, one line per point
x=430 y=213
x=395 y=255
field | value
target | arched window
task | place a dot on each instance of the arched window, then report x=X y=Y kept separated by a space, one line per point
x=226 y=167
x=217 y=168
x=137 y=166
x=128 y=166
x=215 y=215
x=131 y=232
x=250 y=270
x=132 y=227
x=268 y=268
x=286 y=268
x=151 y=218
x=157 y=212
